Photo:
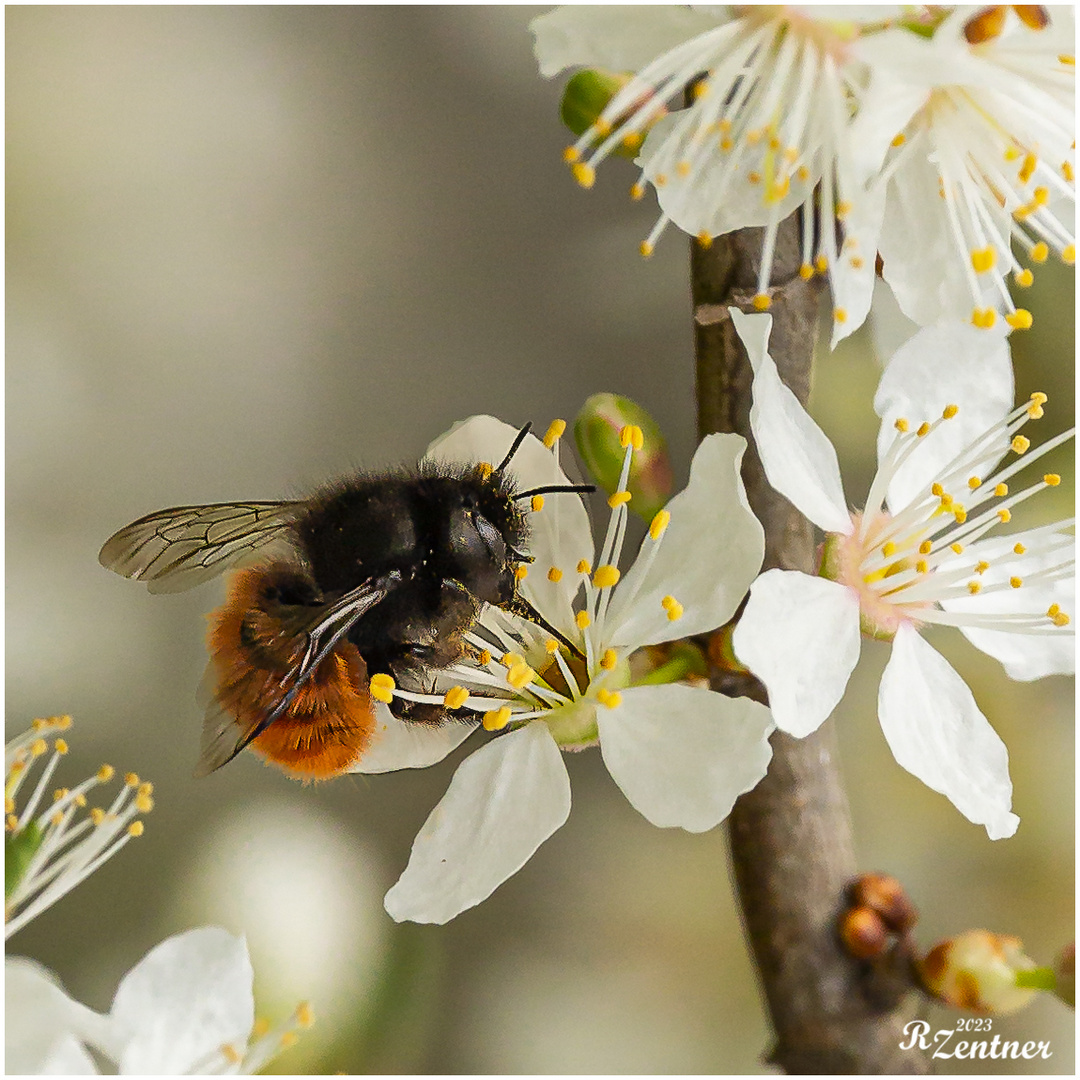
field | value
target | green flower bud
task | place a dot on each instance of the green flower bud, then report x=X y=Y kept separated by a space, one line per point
x=587 y=95
x=597 y=436
x=19 y=849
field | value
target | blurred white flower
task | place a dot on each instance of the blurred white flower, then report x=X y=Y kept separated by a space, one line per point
x=55 y=840
x=918 y=555
x=969 y=134
x=681 y=754
x=185 y=1008
x=768 y=132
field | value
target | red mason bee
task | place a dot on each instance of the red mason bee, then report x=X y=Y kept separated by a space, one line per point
x=381 y=573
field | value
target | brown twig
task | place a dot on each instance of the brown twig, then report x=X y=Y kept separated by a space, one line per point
x=791 y=837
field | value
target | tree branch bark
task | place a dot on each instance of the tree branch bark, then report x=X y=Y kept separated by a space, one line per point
x=791 y=837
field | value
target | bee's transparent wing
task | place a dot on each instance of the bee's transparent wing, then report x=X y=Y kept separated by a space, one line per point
x=184 y=546
x=221 y=736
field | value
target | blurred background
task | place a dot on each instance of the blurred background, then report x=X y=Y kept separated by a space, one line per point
x=252 y=248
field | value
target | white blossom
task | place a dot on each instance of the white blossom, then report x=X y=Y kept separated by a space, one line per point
x=920 y=554
x=680 y=753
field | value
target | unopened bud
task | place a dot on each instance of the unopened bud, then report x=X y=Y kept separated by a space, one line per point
x=596 y=434
x=1065 y=975
x=886 y=896
x=587 y=95
x=978 y=970
x=863 y=933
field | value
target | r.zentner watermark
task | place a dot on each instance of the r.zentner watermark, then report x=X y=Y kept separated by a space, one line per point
x=945 y=1044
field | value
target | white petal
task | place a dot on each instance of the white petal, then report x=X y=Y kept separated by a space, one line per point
x=950 y=363
x=889 y=326
x=185 y=999
x=798 y=459
x=400 y=745
x=559 y=535
x=800 y=636
x=852 y=275
x=68 y=1057
x=682 y=755
x=41 y=1021
x=708 y=555
x=1024 y=656
x=505 y=800
x=937 y=733
x=617 y=37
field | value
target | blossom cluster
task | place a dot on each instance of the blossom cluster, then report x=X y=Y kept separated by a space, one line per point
x=938 y=143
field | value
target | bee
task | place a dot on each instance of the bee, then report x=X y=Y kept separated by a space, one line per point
x=374 y=574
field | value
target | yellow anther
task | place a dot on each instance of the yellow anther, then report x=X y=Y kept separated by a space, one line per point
x=613 y=700
x=1016 y=582
x=855 y=262
x=582 y=620
x=1019 y=549
x=631 y=435
x=821 y=264
x=62 y=723
x=704 y=240
x=521 y=572
x=974 y=482
x=60 y=746
x=497 y=719
x=683 y=168
x=1040 y=252
x=674 y=609
x=839 y=315
x=38 y=747
x=144 y=804
x=949 y=412
x=1039 y=398
x=899 y=140
x=484 y=658
x=1024 y=278
x=382 y=687
x=570 y=155
x=57 y=818
x=555 y=574
x=1020 y=319
x=1027 y=170
x=637 y=191
x=960 y=514
x=923 y=430
x=983 y=259
x=131 y=779
x=1040 y=196
x=455 y=697
x=58 y=794
x=1067 y=171
x=1001 y=490
x=974 y=587
x=762 y=302
x=1035 y=411
x=80 y=800
x=484 y=469
x=602 y=127
x=1005 y=514
x=584 y=174
x=602 y=695
x=1053 y=610
x=288 y=1038
x=520 y=675
x=937 y=490
x=1068 y=254
x=1051 y=479
x=803 y=173
x=537 y=503
x=659 y=523
x=146 y=788
x=605 y=576
x=39 y=723
x=260 y=1027
x=135 y=828
x=806 y=271
x=921 y=566
x=97 y=815
x=105 y=774
x=12 y=822
x=551 y=646
x=305 y=1016
x=982 y=566
x=609 y=659
x=9 y=805
x=984 y=318
x=645 y=248
x=888 y=549
x=618 y=498
x=632 y=140
x=1068 y=61
x=511 y=658
x=1020 y=444
x=901 y=425
x=660 y=179
x=1060 y=619
x=926 y=547
x=583 y=567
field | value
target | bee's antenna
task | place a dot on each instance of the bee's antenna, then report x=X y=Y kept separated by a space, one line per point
x=581 y=489
x=514 y=448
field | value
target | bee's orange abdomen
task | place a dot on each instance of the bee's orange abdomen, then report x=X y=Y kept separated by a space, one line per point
x=328 y=726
